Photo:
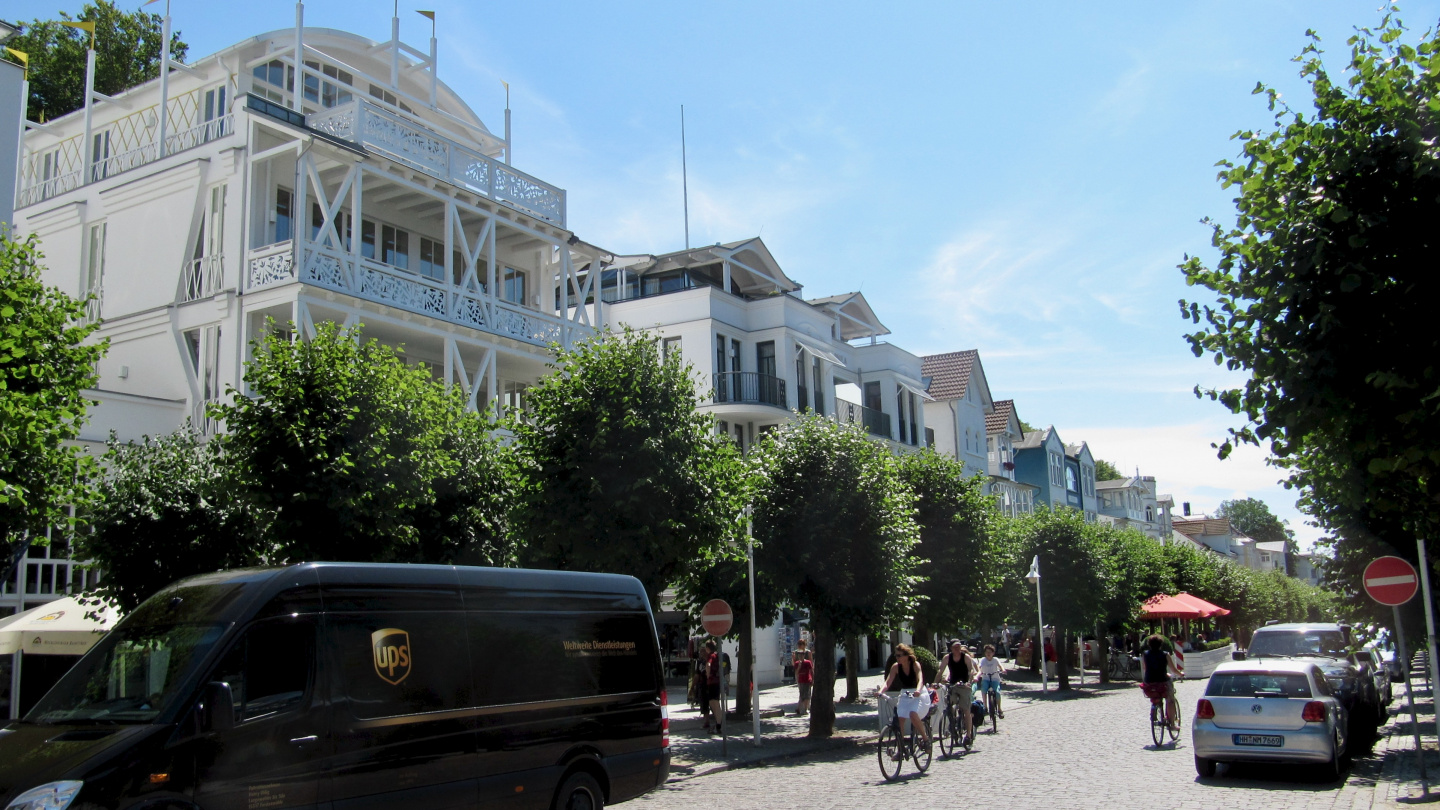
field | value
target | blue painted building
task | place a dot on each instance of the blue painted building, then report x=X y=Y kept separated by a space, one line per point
x=1040 y=462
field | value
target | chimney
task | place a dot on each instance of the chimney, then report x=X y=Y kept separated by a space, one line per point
x=1186 y=507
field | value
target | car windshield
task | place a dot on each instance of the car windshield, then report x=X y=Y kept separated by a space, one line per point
x=131 y=676
x=1289 y=643
x=1258 y=684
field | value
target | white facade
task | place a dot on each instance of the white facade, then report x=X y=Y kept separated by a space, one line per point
x=1002 y=432
x=1134 y=503
x=961 y=402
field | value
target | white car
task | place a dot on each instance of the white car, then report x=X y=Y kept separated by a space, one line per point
x=1274 y=710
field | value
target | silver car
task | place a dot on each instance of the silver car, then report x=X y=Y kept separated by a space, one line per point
x=1269 y=711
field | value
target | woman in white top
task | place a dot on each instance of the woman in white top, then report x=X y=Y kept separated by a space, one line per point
x=991 y=675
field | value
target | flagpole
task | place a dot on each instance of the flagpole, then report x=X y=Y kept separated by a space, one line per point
x=164 y=83
x=395 y=48
x=684 y=177
x=24 y=120
x=509 y=147
x=299 y=79
x=88 y=147
x=434 y=64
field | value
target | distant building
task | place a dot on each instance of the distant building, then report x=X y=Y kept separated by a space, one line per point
x=959 y=406
x=1134 y=503
x=1080 y=480
x=1002 y=430
x=1040 y=462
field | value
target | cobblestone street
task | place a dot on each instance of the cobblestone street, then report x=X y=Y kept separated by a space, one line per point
x=1091 y=749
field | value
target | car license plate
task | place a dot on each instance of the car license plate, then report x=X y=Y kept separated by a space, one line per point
x=1272 y=740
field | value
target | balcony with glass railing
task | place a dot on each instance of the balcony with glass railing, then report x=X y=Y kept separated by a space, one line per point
x=749 y=388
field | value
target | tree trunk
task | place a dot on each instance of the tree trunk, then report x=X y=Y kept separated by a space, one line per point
x=822 y=704
x=1037 y=653
x=852 y=669
x=742 y=667
x=1104 y=640
x=923 y=637
x=1062 y=667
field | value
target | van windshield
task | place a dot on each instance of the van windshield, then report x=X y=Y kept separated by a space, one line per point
x=131 y=676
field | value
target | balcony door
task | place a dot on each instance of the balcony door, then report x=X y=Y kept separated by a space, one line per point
x=766 y=370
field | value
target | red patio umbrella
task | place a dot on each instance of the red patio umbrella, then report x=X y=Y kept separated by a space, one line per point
x=1161 y=606
x=1211 y=609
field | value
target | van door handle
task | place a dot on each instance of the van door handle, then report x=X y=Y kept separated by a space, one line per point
x=305 y=740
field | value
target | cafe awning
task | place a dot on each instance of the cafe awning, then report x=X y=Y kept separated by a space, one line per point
x=1211 y=608
x=61 y=627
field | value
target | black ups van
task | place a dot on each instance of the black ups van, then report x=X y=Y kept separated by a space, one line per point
x=356 y=687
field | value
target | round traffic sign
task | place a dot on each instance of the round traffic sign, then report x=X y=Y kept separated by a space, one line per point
x=717 y=617
x=1391 y=580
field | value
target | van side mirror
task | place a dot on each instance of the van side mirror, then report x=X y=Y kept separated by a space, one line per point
x=1237 y=655
x=217 y=707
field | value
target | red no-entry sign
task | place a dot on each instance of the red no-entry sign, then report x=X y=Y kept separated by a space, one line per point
x=1391 y=581
x=717 y=617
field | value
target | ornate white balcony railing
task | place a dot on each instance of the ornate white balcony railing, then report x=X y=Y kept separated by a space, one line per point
x=119 y=145
x=400 y=139
x=270 y=264
x=384 y=284
x=201 y=278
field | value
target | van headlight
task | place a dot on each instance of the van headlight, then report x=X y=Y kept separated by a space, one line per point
x=50 y=796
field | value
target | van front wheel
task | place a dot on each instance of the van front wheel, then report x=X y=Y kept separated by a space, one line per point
x=579 y=791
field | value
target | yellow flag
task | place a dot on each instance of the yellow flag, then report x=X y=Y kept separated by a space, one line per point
x=21 y=56
x=427 y=14
x=88 y=26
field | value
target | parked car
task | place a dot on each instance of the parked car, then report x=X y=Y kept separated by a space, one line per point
x=1370 y=659
x=350 y=686
x=1329 y=646
x=1270 y=710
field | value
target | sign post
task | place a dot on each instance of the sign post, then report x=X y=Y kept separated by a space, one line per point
x=1429 y=615
x=716 y=617
x=1392 y=581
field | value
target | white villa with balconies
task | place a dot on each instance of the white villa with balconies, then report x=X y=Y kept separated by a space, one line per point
x=760 y=351
x=374 y=195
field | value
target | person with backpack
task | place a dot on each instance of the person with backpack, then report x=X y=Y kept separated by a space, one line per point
x=804 y=664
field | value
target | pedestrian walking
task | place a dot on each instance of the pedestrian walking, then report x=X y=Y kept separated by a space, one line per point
x=804 y=664
x=714 y=721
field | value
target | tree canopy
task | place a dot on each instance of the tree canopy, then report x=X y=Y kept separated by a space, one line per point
x=127 y=53
x=1323 y=290
x=354 y=455
x=1105 y=471
x=836 y=533
x=619 y=470
x=46 y=363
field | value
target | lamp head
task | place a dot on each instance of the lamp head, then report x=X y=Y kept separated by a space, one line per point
x=1034 y=576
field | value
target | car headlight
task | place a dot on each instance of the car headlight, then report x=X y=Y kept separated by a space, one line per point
x=50 y=796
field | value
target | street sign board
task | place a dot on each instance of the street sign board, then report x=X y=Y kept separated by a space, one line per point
x=1391 y=580
x=716 y=616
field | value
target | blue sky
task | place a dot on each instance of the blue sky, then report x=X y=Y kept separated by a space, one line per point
x=1017 y=178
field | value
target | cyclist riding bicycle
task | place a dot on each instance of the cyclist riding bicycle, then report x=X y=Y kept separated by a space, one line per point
x=1157 y=666
x=914 y=703
x=961 y=672
x=990 y=676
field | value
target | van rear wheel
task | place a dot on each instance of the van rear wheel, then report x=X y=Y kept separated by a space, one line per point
x=579 y=791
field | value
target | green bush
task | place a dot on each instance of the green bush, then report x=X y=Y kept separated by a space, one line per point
x=1216 y=644
x=929 y=665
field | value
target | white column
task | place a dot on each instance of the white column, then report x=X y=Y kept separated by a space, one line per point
x=434 y=72
x=88 y=146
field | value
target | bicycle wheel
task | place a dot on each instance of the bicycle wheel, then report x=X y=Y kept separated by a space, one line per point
x=948 y=736
x=992 y=705
x=889 y=753
x=1157 y=721
x=919 y=751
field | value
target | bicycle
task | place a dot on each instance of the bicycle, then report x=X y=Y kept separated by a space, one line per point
x=1119 y=665
x=1159 y=724
x=894 y=748
x=992 y=708
x=953 y=733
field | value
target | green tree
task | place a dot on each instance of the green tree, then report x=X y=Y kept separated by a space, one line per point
x=620 y=472
x=1075 y=572
x=1327 y=260
x=1253 y=518
x=46 y=363
x=167 y=509
x=350 y=451
x=836 y=532
x=1138 y=571
x=127 y=53
x=466 y=522
x=1105 y=471
x=957 y=551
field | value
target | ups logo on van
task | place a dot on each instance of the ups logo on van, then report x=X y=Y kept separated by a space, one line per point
x=392 y=654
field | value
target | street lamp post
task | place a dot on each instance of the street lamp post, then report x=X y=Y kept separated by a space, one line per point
x=1034 y=578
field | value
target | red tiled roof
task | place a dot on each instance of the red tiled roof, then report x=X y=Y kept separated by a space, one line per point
x=949 y=373
x=997 y=422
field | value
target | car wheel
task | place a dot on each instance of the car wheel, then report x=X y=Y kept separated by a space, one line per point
x=579 y=791
x=1332 y=770
x=1205 y=767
